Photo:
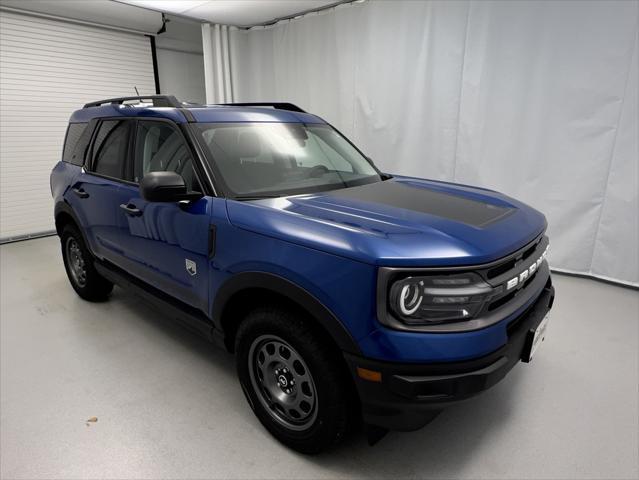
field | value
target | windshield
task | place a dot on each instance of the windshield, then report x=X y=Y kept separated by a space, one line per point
x=275 y=159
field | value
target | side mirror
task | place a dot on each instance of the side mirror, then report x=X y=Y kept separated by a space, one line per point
x=165 y=187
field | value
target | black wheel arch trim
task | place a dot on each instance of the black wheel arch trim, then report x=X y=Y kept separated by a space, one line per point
x=62 y=207
x=279 y=285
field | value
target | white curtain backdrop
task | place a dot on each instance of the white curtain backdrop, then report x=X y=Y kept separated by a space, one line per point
x=534 y=99
x=217 y=68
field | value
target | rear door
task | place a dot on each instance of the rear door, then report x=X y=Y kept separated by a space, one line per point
x=96 y=193
x=166 y=244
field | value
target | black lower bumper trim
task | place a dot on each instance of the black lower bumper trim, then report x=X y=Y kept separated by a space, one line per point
x=410 y=395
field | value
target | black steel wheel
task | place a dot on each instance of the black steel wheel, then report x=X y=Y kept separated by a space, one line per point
x=78 y=263
x=294 y=379
x=283 y=382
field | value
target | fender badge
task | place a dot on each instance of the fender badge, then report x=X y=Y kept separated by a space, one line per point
x=191 y=267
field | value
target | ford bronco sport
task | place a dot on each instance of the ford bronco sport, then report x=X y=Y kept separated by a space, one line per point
x=349 y=296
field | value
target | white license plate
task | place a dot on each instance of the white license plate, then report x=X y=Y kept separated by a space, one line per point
x=538 y=337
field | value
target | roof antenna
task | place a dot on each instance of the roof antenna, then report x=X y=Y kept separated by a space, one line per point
x=136 y=90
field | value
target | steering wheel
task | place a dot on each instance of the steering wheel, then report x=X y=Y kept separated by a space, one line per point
x=317 y=171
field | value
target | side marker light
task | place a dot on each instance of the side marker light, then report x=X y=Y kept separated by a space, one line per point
x=370 y=375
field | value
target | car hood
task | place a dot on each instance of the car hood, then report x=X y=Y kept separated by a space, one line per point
x=400 y=222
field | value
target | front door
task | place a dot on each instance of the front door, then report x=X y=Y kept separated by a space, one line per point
x=166 y=244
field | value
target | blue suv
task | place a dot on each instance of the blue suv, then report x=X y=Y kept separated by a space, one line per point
x=349 y=296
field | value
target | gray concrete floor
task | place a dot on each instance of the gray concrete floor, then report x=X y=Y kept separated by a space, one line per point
x=168 y=404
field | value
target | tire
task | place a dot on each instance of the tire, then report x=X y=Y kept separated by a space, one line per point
x=276 y=386
x=78 y=262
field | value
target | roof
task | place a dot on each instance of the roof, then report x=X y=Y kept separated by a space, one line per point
x=168 y=107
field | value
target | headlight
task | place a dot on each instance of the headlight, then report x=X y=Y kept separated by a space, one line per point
x=422 y=300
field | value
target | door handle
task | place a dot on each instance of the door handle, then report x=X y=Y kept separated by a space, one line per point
x=80 y=192
x=131 y=210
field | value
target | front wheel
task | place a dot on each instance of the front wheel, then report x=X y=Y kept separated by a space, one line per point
x=292 y=380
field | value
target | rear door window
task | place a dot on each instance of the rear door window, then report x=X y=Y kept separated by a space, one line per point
x=111 y=147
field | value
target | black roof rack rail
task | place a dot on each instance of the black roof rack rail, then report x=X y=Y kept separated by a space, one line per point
x=277 y=105
x=158 y=101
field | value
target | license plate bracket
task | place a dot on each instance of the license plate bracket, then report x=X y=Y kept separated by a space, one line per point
x=534 y=337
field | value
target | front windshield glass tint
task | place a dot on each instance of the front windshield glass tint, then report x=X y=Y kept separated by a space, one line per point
x=272 y=159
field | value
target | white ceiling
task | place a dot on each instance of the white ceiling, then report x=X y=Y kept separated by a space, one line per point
x=233 y=12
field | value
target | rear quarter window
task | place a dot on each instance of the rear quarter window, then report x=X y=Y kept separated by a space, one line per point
x=75 y=143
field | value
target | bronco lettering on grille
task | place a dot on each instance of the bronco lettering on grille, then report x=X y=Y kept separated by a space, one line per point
x=523 y=276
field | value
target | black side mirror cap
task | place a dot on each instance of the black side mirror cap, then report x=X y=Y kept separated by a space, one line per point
x=165 y=187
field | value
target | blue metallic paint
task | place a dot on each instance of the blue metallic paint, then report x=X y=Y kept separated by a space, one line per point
x=328 y=245
x=383 y=235
x=155 y=245
x=343 y=286
x=127 y=111
x=346 y=287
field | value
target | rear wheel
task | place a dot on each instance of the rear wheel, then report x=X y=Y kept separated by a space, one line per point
x=78 y=262
x=292 y=380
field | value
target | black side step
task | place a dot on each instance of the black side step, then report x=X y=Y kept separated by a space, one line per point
x=190 y=317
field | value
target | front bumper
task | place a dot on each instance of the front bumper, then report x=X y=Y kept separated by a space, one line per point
x=410 y=395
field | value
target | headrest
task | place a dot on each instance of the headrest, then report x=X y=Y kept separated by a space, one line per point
x=226 y=140
x=249 y=145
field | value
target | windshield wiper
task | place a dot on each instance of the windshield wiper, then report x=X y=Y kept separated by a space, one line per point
x=255 y=197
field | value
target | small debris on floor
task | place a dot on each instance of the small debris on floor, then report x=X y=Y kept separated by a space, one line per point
x=91 y=420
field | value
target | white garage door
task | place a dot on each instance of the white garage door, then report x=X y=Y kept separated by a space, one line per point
x=48 y=68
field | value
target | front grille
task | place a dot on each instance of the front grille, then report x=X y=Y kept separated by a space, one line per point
x=503 y=268
x=508 y=297
x=500 y=272
x=531 y=250
x=512 y=261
